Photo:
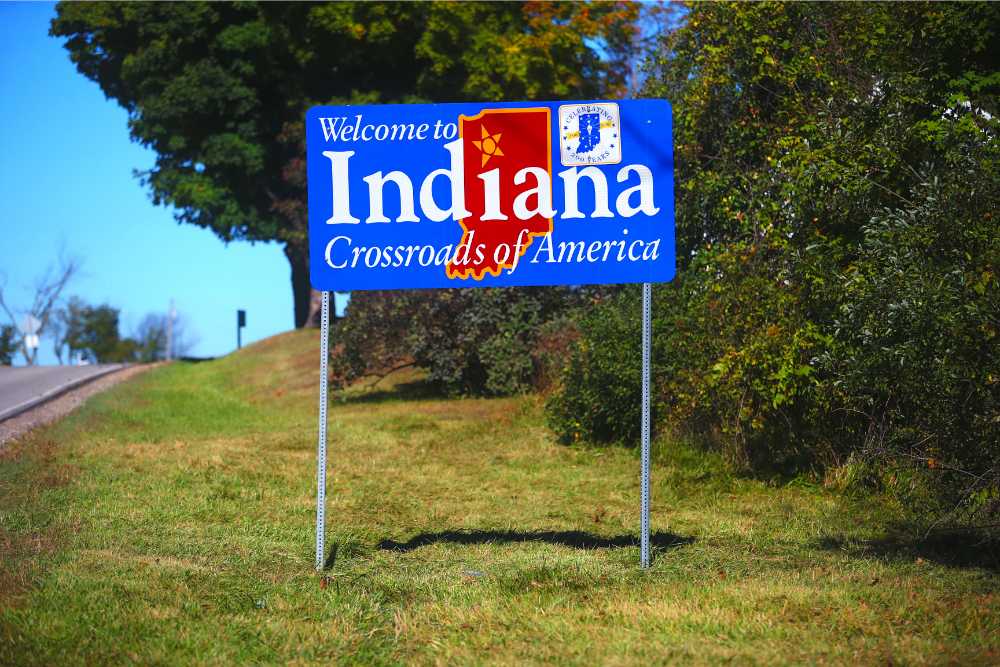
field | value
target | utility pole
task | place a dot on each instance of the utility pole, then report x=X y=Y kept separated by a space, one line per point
x=171 y=314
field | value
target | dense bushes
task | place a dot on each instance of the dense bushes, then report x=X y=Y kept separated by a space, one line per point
x=916 y=368
x=598 y=396
x=906 y=369
x=837 y=301
x=732 y=362
x=478 y=341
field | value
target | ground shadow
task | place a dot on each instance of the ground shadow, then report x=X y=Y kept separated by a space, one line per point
x=576 y=539
x=331 y=560
x=403 y=391
x=953 y=549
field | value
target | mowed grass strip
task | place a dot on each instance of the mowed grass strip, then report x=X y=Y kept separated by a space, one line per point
x=170 y=521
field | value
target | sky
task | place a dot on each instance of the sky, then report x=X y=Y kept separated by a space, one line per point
x=66 y=186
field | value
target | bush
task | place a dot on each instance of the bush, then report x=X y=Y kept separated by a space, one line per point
x=553 y=349
x=741 y=347
x=599 y=394
x=732 y=362
x=916 y=370
x=836 y=307
x=889 y=364
x=473 y=341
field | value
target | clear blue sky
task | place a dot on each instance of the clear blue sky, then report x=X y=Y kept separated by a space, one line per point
x=66 y=184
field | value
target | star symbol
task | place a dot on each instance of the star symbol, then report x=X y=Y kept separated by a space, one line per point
x=489 y=144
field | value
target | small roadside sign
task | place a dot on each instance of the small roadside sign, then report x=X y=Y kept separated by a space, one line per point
x=30 y=325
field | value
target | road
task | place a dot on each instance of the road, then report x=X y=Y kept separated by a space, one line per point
x=25 y=387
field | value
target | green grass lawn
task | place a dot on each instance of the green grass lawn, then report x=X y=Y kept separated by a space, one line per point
x=170 y=521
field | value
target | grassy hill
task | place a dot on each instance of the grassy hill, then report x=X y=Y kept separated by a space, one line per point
x=170 y=521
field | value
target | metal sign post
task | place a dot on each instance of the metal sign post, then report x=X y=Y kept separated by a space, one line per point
x=647 y=343
x=321 y=457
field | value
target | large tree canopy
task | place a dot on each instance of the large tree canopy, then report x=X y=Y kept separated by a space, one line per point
x=219 y=91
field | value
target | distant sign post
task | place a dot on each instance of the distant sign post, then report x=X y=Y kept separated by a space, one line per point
x=490 y=195
x=241 y=321
x=29 y=328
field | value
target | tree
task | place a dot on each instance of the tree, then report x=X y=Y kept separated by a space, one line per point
x=797 y=126
x=798 y=118
x=93 y=332
x=69 y=327
x=151 y=338
x=8 y=344
x=219 y=91
x=44 y=304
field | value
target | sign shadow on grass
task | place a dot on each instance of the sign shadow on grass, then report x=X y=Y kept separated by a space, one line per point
x=575 y=539
x=415 y=390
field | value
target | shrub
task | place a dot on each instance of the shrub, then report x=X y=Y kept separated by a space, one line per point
x=917 y=367
x=732 y=362
x=741 y=346
x=598 y=396
x=473 y=341
x=889 y=364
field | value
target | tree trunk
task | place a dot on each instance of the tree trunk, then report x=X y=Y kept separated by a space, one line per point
x=307 y=300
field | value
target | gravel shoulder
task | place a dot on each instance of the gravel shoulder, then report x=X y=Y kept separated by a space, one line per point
x=64 y=404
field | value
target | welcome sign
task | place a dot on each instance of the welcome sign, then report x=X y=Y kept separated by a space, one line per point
x=490 y=194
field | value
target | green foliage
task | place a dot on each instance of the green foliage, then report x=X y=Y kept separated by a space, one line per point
x=599 y=393
x=8 y=344
x=219 y=90
x=797 y=119
x=917 y=365
x=836 y=216
x=739 y=348
x=479 y=341
x=93 y=331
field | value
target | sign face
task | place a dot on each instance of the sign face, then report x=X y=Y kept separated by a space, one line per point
x=31 y=325
x=490 y=194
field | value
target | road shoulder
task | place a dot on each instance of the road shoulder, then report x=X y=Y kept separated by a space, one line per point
x=62 y=405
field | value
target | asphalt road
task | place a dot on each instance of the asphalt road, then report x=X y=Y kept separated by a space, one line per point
x=24 y=387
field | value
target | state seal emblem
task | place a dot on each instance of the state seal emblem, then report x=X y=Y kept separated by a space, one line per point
x=589 y=134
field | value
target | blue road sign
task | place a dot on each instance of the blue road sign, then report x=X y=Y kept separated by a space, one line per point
x=490 y=194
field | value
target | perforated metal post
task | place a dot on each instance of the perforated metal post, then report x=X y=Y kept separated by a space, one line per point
x=647 y=335
x=321 y=450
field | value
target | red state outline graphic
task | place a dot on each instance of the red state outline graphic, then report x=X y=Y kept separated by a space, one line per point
x=463 y=273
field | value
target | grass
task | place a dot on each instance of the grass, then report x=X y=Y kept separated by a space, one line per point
x=170 y=521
